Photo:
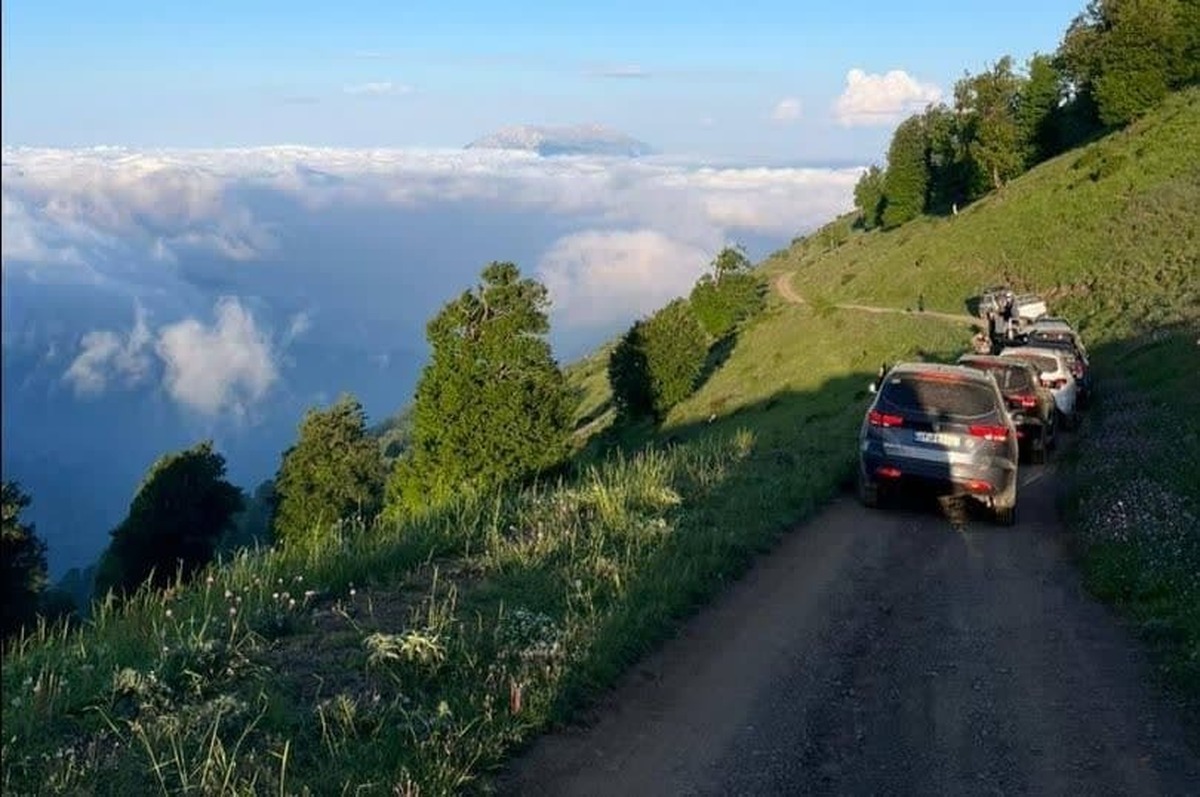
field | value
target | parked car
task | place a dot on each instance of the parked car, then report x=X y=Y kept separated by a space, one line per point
x=1029 y=307
x=1054 y=371
x=992 y=300
x=1057 y=333
x=1029 y=403
x=944 y=426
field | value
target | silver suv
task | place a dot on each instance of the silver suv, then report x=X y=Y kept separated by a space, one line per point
x=944 y=426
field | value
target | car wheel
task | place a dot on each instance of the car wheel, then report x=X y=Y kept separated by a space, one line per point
x=868 y=492
x=1004 y=510
x=1037 y=451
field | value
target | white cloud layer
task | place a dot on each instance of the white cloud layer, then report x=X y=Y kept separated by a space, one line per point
x=589 y=273
x=106 y=354
x=627 y=234
x=786 y=110
x=227 y=366
x=874 y=99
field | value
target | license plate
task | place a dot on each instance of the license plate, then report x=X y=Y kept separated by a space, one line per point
x=938 y=438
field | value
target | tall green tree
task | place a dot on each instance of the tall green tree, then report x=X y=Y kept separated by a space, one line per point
x=22 y=562
x=868 y=197
x=181 y=509
x=1141 y=58
x=945 y=160
x=1038 y=110
x=728 y=294
x=1126 y=55
x=907 y=177
x=334 y=472
x=729 y=261
x=657 y=362
x=492 y=405
x=987 y=103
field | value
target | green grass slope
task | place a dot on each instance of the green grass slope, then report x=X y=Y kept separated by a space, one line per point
x=417 y=657
x=1108 y=233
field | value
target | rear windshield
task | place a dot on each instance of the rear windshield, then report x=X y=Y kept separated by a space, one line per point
x=1052 y=335
x=1045 y=365
x=1011 y=378
x=913 y=393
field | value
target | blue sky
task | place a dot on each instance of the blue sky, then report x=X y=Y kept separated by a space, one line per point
x=688 y=77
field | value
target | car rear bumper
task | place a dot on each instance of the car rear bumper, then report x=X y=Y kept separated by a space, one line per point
x=959 y=478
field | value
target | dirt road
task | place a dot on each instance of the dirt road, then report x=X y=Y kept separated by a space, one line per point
x=887 y=652
x=783 y=284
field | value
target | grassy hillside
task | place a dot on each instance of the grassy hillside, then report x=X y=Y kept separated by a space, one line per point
x=421 y=655
x=1109 y=233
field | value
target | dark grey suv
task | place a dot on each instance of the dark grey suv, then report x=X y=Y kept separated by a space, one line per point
x=944 y=426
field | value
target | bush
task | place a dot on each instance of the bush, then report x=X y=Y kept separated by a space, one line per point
x=657 y=362
x=721 y=305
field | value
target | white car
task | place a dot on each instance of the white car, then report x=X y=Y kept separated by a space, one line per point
x=1054 y=369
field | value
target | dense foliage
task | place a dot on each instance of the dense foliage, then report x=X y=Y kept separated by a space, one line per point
x=333 y=473
x=182 y=508
x=728 y=295
x=1116 y=61
x=22 y=563
x=492 y=405
x=657 y=362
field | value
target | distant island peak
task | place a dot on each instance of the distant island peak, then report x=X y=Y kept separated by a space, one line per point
x=583 y=139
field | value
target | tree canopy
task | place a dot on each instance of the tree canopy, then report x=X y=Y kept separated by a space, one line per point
x=492 y=405
x=657 y=362
x=181 y=509
x=22 y=562
x=332 y=473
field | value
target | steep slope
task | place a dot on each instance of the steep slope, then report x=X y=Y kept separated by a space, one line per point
x=1109 y=233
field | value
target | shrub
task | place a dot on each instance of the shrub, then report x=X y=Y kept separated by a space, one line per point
x=721 y=305
x=657 y=362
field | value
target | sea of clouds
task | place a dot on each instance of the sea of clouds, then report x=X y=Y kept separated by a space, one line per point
x=154 y=298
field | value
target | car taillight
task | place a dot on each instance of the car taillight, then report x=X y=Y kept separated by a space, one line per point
x=1025 y=402
x=888 y=472
x=978 y=486
x=877 y=418
x=995 y=434
x=1054 y=384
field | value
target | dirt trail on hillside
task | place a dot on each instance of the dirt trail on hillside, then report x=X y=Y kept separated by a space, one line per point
x=887 y=652
x=783 y=284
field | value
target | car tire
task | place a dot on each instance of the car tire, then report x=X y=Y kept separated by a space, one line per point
x=868 y=492
x=1037 y=451
x=1004 y=510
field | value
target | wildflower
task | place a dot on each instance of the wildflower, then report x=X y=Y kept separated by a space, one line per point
x=228 y=595
x=232 y=610
x=353 y=592
x=209 y=581
x=170 y=613
x=292 y=603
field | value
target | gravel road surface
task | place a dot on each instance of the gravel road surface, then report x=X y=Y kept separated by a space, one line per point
x=907 y=651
